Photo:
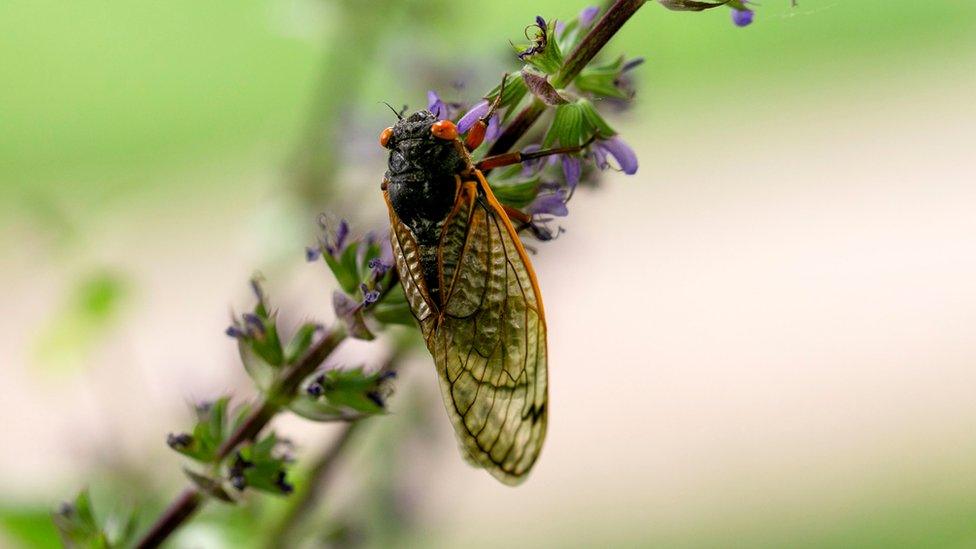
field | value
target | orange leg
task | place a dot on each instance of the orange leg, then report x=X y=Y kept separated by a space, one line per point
x=507 y=159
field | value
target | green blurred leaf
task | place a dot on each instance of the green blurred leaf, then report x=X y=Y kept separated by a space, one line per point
x=208 y=433
x=301 y=341
x=602 y=80
x=91 y=311
x=209 y=486
x=30 y=527
x=77 y=525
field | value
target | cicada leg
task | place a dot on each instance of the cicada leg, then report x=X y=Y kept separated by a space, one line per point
x=507 y=159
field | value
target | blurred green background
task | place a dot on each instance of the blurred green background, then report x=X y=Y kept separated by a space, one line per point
x=805 y=189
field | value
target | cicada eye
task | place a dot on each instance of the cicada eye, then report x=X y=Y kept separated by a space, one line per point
x=444 y=129
x=385 y=137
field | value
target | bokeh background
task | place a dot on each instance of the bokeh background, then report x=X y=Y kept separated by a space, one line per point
x=764 y=338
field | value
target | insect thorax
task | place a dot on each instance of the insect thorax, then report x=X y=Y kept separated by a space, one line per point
x=421 y=183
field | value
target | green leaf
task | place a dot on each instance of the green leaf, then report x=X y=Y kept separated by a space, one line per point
x=209 y=486
x=602 y=80
x=566 y=128
x=343 y=394
x=596 y=124
x=77 y=525
x=690 y=5
x=262 y=467
x=517 y=194
x=208 y=433
x=394 y=313
x=348 y=278
x=314 y=409
x=546 y=55
x=300 y=342
x=515 y=91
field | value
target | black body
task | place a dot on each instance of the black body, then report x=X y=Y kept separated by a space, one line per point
x=421 y=184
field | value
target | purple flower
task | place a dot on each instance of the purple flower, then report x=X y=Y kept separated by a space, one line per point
x=549 y=203
x=742 y=18
x=541 y=23
x=338 y=246
x=540 y=41
x=370 y=296
x=632 y=64
x=343 y=305
x=235 y=332
x=312 y=254
x=532 y=165
x=253 y=325
x=435 y=105
x=494 y=128
x=479 y=110
x=572 y=170
x=588 y=15
x=560 y=27
x=378 y=267
x=618 y=149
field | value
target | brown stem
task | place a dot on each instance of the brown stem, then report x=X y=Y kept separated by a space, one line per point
x=312 y=488
x=601 y=33
x=187 y=503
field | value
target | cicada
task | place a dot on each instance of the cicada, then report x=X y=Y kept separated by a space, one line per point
x=472 y=289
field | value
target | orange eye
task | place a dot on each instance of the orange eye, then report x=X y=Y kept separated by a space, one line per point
x=385 y=137
x=444 y=129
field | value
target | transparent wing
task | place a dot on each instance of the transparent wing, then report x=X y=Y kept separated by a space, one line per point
x=489 y=343
x=488 y=334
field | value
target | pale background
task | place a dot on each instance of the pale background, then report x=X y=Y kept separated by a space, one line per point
x=765 y=337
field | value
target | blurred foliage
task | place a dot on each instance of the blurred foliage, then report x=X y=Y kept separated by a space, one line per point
x=93 y=307
x=198 y=83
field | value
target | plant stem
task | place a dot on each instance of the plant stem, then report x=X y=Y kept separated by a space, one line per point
x=187 y=503
x=310 y=493
x=585 y=51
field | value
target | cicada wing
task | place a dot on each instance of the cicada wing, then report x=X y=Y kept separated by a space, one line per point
x=489 y=342
x=406 y=254
x=487 y=333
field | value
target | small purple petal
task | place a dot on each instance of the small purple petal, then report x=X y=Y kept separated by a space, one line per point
x=621 y=151
x=550 y=204
x=234 y=332
x=742 y=18
x=541 y=23
x=531 y=166
x=253 y=325
x=378 y=267
x=560 y=26
x=572 y=169
x=371 y=297
x=632 y=64
x=312 y=254
x=494 y=128
x=343 y=305
x=600 y=157
x=588 y=15
x=435 y=105
x=386 y=251
x=342 y=232
x=476 y=113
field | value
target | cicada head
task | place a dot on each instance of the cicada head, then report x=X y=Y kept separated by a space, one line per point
x=425 y=156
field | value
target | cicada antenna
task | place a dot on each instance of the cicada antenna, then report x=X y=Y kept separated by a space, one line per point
x=399 y=114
